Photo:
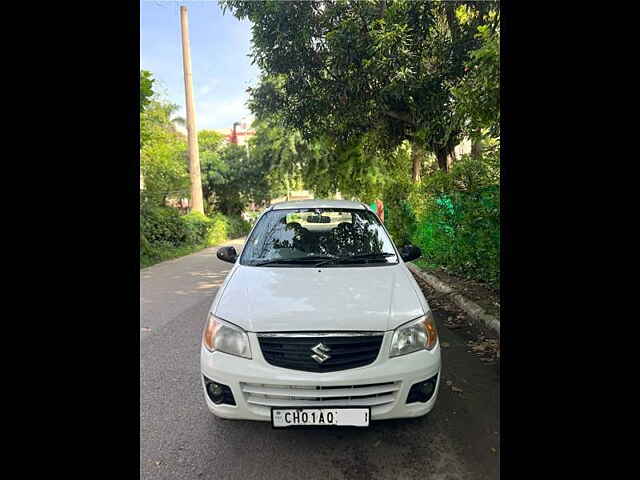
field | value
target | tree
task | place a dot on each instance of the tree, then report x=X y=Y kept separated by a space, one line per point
x=158 y=116
x=163 y=153
x=224 y=182
x=231 y=179
x=281 y=153
x=212 y=167
x=162 y=164
x=344 y=69
x=478 y=93
x=146 y=88
x=173 y=120
x=355 y=169
x=326 y=167
x=289 y=161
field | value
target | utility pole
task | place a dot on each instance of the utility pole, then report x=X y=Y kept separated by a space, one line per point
x=192 y=132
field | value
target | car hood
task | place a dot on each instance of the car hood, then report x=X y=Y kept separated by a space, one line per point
x=272 y=299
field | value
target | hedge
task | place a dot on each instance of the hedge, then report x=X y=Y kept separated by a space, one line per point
x=461 y=231
x=165 y=234
x=454 y=218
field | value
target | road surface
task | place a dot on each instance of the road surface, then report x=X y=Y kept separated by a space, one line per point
x=180 y=439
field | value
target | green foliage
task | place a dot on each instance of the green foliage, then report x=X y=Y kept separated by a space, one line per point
x=350 y=68
x=478 y=94
x=164 y=234
x=210 y=143
x=453 y=217
x=163 y=154
x=197 y=227
x=229 y=181
x=162 y=226
x=463 y=234
x=164 y=170
x=279 y=153
x=146 y=250
x=224 y=227
x=219 y=231
x=146 y=88
x=234 y=176
x=321 y=165
x=225 y=181
x=238 y=227
x=399 y=216
x=212 y=168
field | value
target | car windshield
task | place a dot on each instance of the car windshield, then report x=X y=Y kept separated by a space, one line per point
x=330 y=236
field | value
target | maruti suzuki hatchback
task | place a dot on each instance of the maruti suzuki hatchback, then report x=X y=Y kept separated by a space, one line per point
x=319 y=322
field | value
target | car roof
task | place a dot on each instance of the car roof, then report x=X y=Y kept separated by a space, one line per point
x=319 y=203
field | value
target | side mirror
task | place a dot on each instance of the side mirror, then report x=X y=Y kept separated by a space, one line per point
x=410 y=252
x=227 y=254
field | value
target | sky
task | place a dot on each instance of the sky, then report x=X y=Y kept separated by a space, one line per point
x=221 y=69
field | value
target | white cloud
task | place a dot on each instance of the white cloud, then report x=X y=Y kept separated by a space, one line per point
x=220 y=113
x=208 y=87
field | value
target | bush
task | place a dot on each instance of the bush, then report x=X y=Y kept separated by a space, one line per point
x=146 y=250
x=165 y=234
x=399 y=216
x=162 y=226
x=238 y=227
x=197 y=227
x=453 y=217
x=462 y=232
x=226 y=227
x=219 y=230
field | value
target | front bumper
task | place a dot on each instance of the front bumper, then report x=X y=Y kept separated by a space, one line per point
x=258 y=386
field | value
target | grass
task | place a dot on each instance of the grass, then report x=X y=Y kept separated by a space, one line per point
x=425 y=264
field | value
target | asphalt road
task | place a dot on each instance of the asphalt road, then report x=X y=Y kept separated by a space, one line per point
x=180 y=439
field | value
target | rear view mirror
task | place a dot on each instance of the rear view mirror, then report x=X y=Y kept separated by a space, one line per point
x=227 y=254
x=410 y=252
x=318 y=219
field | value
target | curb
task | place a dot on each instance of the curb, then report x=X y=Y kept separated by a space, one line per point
x=475 y=311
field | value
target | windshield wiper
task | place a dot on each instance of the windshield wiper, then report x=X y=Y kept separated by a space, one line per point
x=310 y=258
x=366 y=256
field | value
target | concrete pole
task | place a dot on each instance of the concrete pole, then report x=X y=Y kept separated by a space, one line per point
x=192 y=133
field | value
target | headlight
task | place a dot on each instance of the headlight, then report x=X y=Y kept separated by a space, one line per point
x=225 y=337
x=413 y=336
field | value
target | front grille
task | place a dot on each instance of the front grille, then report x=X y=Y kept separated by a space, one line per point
x=294 y=351
x=261 y=397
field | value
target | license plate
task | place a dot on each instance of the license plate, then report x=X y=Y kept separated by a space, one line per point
x=290 y=417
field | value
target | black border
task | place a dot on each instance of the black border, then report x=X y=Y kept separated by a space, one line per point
x=80 y=196
x=548 y=93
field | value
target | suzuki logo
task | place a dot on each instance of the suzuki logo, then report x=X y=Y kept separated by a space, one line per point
x=320 y=351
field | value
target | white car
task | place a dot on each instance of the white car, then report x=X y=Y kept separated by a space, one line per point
x=319 y=322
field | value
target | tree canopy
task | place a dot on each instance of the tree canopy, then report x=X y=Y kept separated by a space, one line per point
x=163 y=153
x=146 y=88
x=344 y=69
x=234 y=176
x=478 y=93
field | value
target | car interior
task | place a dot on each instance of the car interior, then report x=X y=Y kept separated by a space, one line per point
x=334 y=235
